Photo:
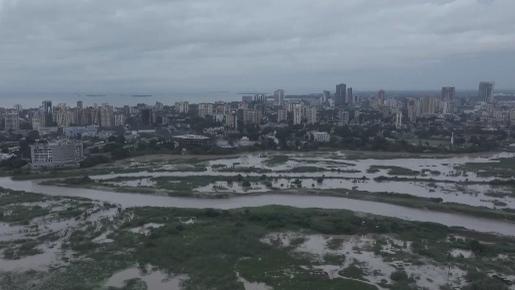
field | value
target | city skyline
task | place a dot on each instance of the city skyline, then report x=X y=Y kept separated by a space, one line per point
x=118 y=99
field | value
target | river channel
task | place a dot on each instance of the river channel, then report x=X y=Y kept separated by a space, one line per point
x=300 y=201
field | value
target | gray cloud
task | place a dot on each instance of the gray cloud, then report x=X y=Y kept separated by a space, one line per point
x=201 y=45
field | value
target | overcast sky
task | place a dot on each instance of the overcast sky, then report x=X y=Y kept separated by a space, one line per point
x=199 y=46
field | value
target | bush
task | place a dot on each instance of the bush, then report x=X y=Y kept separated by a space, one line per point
x=399 y=276
x=94 y=160
x=476 y=247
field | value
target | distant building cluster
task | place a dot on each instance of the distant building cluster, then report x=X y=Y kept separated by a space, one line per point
x=258 y=119
x=252 y=110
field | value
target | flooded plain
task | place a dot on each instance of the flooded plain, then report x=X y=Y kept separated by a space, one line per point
x=34 y=234
x=325 y=170
x=377 y=257
x=442 y=178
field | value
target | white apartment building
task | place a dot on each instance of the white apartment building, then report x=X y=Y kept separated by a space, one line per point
x=182 y=107
x=320 y=137
x=297 y=114
x=56 y=154
x=205 y=109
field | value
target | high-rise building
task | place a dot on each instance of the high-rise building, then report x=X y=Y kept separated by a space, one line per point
x=47 y=106
x=85 y=117
x=47 y=111
x=279 y=97
x=205 y=109
x=78 y=115
x=247 y=99
x=290 y=106
x=343 y=117
x=158 y=107
x=63 y=116
x=260 y=98
x=350 y=96
x=182 y=107
x=231 y=120
x=37 y=121
x=398 y=120
x=12 y=121
x=282 y=115
x=447 y=98
x=413 y=107
x=106 y=116
x=326 y=95
x=312 y=115
x=340 y=96
x=119 y=119
x=221 y=108
x=380 y=99
x=448 y=93
x=429 y=105
x=251 y=117
x=297 y=114
x=486 y=91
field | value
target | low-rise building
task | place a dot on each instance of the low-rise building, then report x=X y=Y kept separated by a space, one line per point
x=77 y=132
x=320 y=137
x=191 y=140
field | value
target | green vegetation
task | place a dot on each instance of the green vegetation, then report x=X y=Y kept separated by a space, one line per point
x=275 y=160
x=184 y=185
x=70 y=172
x=504 y=167
x=8 y=197
x=84 y=180
x=21 y=249
x=393 y=170
x=31 y=212
x=353 y=271
x=241 y=169
x=303 y=169
x=401 y=280
x=21 y=214
x=94 y=160
x=230 y=240
x=20 y=207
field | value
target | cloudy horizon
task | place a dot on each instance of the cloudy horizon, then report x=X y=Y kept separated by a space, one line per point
x=229 y=45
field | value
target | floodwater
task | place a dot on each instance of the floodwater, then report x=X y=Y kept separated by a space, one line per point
x=252 y=285
x=51 y=252
x=360 y=250
x=47 y=257
x=469 y=194
x=299 y=201
x=341 y=173
x=154 y=279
